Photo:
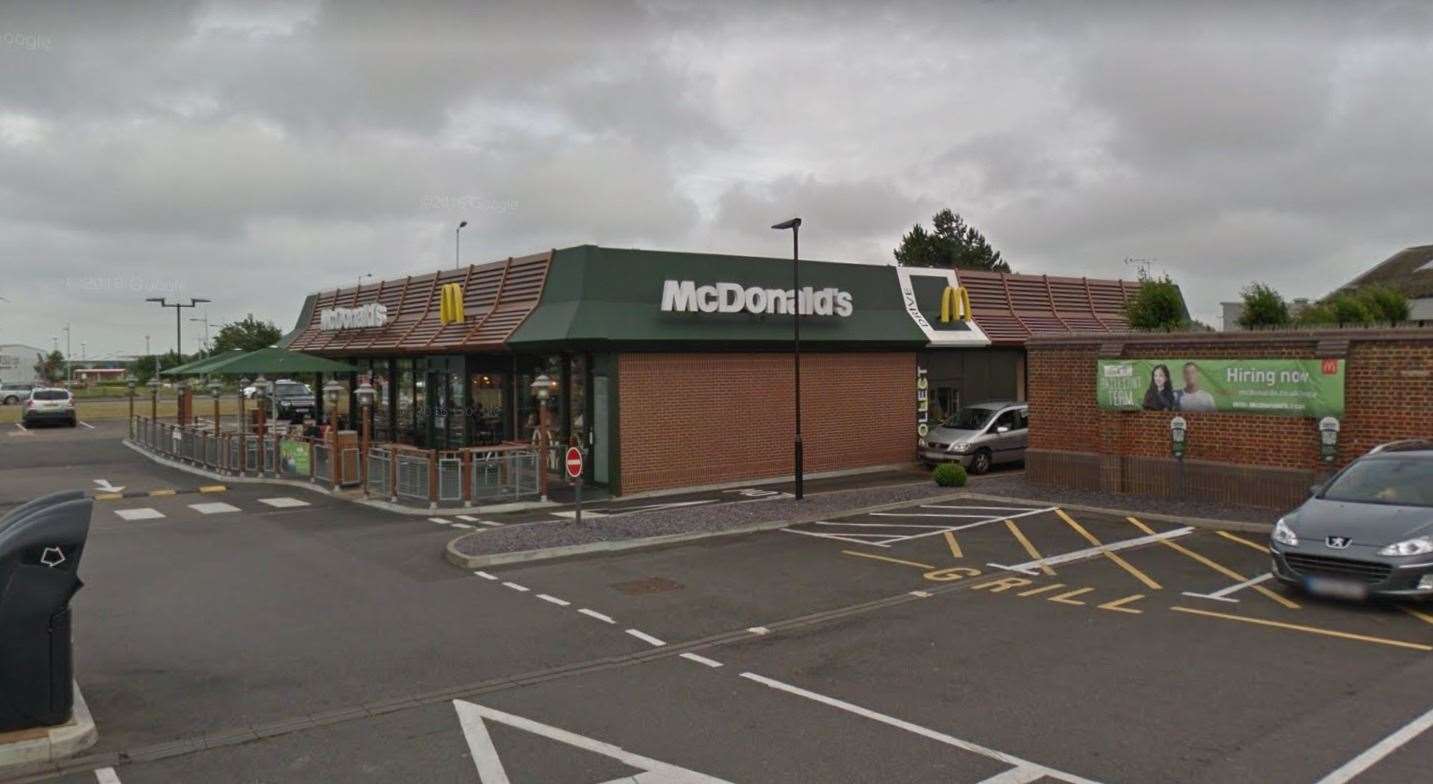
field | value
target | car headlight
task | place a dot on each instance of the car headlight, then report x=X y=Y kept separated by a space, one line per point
x=1419 y=546
x=921 y=443
x=1283 y=534
x=959 y=446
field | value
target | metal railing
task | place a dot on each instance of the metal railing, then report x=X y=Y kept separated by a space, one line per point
x=413 y=476
x=505 y=475
x=380 y=462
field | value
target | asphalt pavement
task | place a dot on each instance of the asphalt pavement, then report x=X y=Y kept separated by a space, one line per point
x=295 y=637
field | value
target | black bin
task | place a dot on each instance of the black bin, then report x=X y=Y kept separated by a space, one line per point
x=40 y=547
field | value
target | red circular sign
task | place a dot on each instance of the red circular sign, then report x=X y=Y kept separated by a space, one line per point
x=574 y=462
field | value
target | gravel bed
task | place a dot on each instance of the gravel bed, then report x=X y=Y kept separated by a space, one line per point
x=686 y=520
x=1015 y=486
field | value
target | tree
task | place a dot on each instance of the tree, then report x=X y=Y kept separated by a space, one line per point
x=1157 y=305
x=1372 y=305
x=1385 y=304
x=249 y=335
x=953 y=244
x=142 y=368
x=50 y=367
x=1263 y=307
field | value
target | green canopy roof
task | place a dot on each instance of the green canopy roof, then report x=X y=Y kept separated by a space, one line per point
x=201 y=365
x=272 y=360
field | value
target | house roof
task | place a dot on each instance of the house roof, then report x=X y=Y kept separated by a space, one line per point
x=1409 y=271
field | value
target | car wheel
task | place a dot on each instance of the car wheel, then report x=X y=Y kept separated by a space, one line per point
x=11 y=400
x=981 y=462
x=74 y=422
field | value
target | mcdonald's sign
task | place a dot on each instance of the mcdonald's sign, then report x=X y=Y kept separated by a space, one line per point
x=954 y=304
x=450 y=307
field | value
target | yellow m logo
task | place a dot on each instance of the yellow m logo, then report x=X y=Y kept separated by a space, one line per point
x=954 y=305
x=450 y=307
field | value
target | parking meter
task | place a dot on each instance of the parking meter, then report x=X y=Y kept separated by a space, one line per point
x=1328 y=438
x=1177 y=428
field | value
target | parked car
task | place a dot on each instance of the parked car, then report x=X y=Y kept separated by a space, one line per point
x=979 y=436
x=49 y=404
x=1368 y=531
x=12 y=394
x=293 y=400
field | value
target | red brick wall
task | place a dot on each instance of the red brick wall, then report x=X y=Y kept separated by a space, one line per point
x=1388 y=394
x=700 y=419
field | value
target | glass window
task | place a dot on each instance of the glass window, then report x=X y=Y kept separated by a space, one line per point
x=529 y=368
x=577 y=400
x=486 y=412
x=382 y=401
x=1006 y=420
x=404 y=405
x=1404 y=481
x=969 y=419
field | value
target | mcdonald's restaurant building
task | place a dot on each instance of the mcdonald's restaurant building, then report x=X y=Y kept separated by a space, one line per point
x=676 y=369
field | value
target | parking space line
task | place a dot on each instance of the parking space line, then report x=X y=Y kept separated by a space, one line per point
x=1420 y=615
x=1307 y=629
x=916 y=729
x=1242 y=581
x=954 y=545
x=87 y=424
x=873 y=556
x=1379 y=750
x=1241 y=540
x=849 y=538
x=106 y=776
x=1029 y=548
x=1122 y=563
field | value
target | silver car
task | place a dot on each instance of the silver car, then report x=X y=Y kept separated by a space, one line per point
x=980 y=436
x=12 y=394
x=1367 y=532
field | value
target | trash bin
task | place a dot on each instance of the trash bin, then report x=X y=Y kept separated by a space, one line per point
x=40 y=547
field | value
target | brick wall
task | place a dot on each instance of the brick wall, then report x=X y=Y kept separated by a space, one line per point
x=700 y=419
x=1244 y=458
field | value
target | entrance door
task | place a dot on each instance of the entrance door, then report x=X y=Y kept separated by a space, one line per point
x=439 y=408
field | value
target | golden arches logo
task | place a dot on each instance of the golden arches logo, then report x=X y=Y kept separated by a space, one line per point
x=954 y=304
x=450 y=307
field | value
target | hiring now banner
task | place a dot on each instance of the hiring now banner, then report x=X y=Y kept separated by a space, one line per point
x=1283 y=387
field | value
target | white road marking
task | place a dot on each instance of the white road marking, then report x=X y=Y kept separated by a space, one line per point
x=647 y=638
x=1222 y=595
x=106 y=487
x=87 y=424
x=107 y=776
x=490 y=523
x=594 y=614
x=439 y=520
x=990 y=508
x=654 y=507
x=467 y=518
x=838 y=537
x=462 y=525
x=917 y=729
x=572 y=514
x=24 y=430
x=283 y=502
x=884 y=525
x=516 y=587
x=486 y=576
x=142 y=513
x=1379 y=750
x=713 y=663
x=1031 y=567
x=216 y=507
x=554 y=600
x=886 y=540
x=758 y=630
x=1016 y=776
x=921 y=594
x=490 y=768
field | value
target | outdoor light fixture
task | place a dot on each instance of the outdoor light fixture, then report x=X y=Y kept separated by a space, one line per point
x=365 y=394
x=261 y=387
x=215 y=388
x=542 y=387
x=178 y=322
x=332 y=390
x=795 y=225
x=458 y=244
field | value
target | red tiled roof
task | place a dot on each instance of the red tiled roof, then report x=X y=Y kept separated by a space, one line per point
x=1010 y=308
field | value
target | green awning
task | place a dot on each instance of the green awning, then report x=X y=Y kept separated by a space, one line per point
x=200 y=366
x=276 y=362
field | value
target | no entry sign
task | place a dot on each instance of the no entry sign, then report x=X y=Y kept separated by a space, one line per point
x=574 y=462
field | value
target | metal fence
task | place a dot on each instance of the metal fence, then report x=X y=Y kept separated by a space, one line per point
x=322 y=459
x=413 y=476
x=450 y=479
x=380 y=463
x=505 y=476
x=348 y=472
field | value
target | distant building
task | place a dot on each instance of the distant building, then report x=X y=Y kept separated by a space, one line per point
x=1410 y=272
x=17 y=363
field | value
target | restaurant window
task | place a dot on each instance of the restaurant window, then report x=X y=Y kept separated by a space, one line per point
x=486 y=409
x=382 y=400
x=404 y=402
x=577 y=400
x=529 y=368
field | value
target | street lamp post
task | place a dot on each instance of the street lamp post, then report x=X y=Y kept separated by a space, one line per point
x=331 y=392
x=542 y=388
x=365 y=394
x=458 y=245
x=795 y=225
x=153 y=399
x=215 y=390
x=129 y=384
x=261 y=391
x=178 y=320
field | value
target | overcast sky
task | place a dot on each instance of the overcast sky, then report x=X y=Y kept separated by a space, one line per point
x=252 y=152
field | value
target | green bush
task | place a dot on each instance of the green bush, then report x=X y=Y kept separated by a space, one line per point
x=949 y=475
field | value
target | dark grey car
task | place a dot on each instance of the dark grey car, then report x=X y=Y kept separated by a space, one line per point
x=1367 y=532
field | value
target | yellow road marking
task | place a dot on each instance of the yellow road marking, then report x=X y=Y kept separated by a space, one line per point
x=951 y=574
x=1029 y=548
x=1123 y=564
x=1002 y=585
x=1118 y=605
x=1033 y=591
x=1230 y=573
x=161 y=492
x=1241 y=540
x=954 y=545
x=1064 y=598
x=1309 y=629
x=859 y=554
x=108 y=496
x=1422 y=616
x=212 y=488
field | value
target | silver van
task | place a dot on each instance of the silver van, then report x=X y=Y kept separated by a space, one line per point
x=980 y=436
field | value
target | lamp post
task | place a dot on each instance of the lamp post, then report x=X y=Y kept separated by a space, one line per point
x=178 y=320
x=365 y=394
x=542 y=388
x=153 y=399
x=180 y=387
x=331 y=392
x=261 y=391
x=458 y=245
x=795 y=225
x=129 y=384
x=216 y=389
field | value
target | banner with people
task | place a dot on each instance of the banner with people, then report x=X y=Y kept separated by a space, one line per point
x=1284 y=387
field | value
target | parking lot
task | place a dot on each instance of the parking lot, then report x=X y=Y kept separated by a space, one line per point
x=262 y=633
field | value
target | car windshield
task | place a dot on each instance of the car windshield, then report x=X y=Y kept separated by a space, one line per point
x=1406 y=481
x=290 y=390
x=969 y=419
x=52 y=394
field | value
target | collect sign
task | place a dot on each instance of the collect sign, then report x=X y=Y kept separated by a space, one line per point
x=574 y=462
x=1282 y=387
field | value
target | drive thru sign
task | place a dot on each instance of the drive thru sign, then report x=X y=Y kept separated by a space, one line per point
x=574 y=462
